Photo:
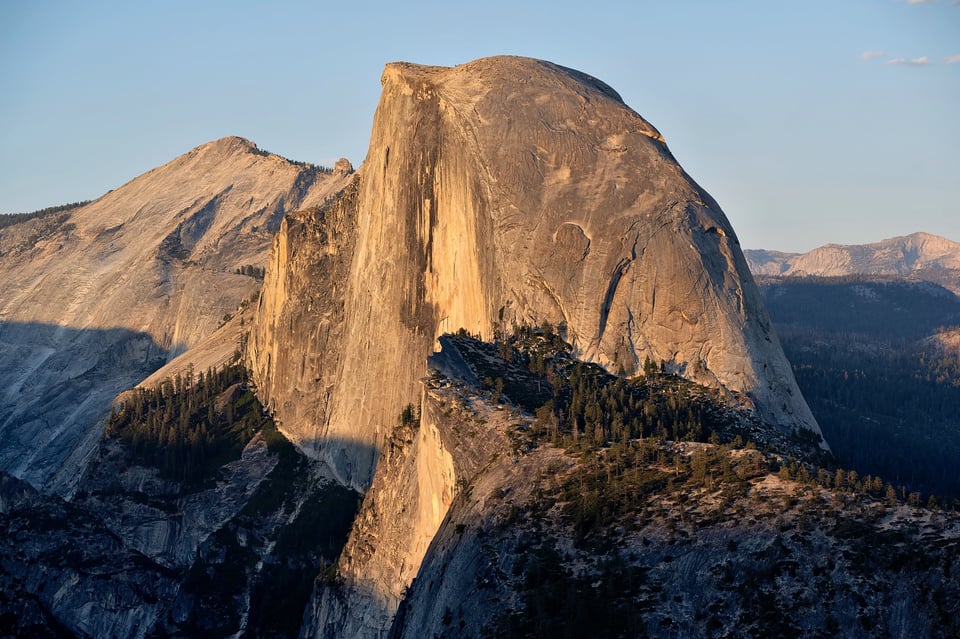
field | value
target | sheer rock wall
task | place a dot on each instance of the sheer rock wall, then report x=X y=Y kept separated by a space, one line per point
x=505 y=191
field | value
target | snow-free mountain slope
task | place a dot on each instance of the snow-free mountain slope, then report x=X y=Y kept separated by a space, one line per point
x=97 y=298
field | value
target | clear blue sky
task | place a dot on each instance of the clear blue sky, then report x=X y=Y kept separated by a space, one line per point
x=809 y=122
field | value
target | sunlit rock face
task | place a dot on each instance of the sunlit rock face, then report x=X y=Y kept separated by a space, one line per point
x=97 y=298
x=415 y=483
x=499 y=192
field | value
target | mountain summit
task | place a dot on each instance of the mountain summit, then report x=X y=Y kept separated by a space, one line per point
x=501 y=192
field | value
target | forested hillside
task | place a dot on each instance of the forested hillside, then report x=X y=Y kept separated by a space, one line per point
x=582 y=409
x=188 y=428
x=886 y=398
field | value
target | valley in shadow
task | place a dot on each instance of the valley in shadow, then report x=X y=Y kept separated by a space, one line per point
x=884 y=391
x=194 y=517
x=56 y=385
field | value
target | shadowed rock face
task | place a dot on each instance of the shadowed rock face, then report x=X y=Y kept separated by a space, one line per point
x=504 y=191
x=96 y=298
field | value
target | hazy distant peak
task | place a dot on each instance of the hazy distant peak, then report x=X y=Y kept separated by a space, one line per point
x=927 y=242
x=920 y=235
x=762 y=256
x=914 y=239
x=901 y=255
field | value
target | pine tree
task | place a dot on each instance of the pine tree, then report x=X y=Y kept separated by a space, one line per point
x=892 y=496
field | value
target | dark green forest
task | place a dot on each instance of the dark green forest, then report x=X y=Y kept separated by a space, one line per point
x=881 y=308
x=619 y=427
x=188 y=428
x=641 y=443
x=580 y=406
x=886 y=398
x=626 y=422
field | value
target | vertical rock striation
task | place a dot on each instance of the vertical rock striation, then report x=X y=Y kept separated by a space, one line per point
x=296 y=341
x=415 y=483
x=505 y=191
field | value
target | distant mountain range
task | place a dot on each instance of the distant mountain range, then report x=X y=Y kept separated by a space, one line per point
x=919 y=255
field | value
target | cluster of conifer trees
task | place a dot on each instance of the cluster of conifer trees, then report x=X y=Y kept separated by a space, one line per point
x=189 y=426
x=625 y=423
x=591 y=404
x=9 y=219
x=581 y=405
x=256 y=272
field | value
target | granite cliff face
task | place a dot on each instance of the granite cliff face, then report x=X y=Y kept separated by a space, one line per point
x=496 y=194
x=765 y=557
x=501 y=192
x=65 y=574
x=415 y=483
x=97 y=298
x=458 y=446
x=297 y=338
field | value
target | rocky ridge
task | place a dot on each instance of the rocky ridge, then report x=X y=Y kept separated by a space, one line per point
x=642 y=539
x=63 y=573
x=139 y=552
